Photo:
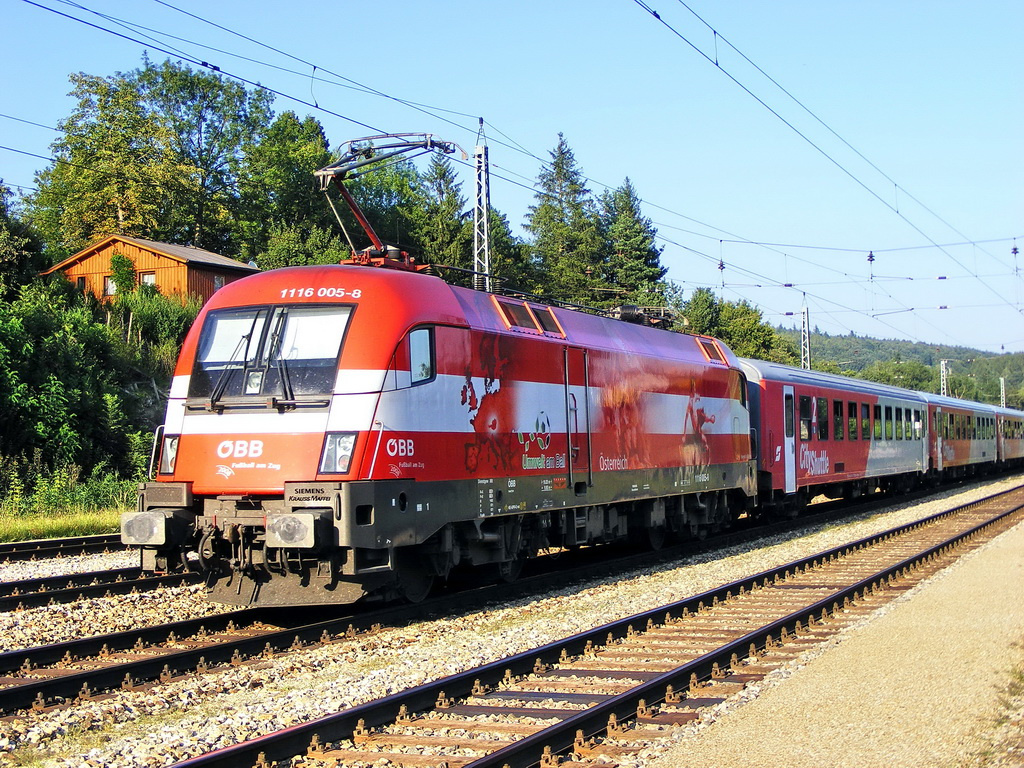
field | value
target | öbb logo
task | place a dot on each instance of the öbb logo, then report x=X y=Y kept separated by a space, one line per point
x=240 y=449
x=398 y=447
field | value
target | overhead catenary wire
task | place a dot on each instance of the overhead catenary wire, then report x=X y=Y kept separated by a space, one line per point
x=316 y=68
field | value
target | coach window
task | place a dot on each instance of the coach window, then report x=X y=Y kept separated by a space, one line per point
x=789 y=415
x=878 y=423
x=851 y=420
x=421 y=355
x=822 y=418
x=899 y=423
x=888 y=422
x=838 y=425
x=865 y=421
x=805 y=417
x=917 y=425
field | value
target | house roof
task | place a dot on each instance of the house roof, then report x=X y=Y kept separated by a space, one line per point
x=182 y=253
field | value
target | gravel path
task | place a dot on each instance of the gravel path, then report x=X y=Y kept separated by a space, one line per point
x=170 y=722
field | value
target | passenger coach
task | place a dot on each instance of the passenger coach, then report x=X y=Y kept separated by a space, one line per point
x=820 y=433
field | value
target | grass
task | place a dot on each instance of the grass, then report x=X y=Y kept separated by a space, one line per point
x=40 y=526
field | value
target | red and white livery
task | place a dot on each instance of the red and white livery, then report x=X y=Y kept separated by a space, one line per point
x=335 y=431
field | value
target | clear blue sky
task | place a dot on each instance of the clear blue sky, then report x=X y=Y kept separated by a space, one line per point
x=931 y=96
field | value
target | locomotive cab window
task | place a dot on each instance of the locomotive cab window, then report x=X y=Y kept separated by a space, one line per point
x=421 y=355
x=281 y=351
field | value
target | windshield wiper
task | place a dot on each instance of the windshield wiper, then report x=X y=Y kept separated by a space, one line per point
x=275 y=352
x=231 y=366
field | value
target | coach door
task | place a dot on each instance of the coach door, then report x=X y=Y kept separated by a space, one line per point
x=938 y=438
x=577 y=419
x=789 y=438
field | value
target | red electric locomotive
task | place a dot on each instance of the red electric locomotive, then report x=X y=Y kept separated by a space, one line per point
x=336 y=431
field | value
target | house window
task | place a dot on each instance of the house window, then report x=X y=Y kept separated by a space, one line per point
x=80 y=284
x=109 y=289
x=218 y=282
x=147 y=278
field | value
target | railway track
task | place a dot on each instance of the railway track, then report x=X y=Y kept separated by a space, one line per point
x=65 y=673
x=39 y=549
x=613 y=690
x=30 y=593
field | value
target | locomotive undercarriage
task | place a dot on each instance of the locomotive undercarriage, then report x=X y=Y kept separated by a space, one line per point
x=324 y=543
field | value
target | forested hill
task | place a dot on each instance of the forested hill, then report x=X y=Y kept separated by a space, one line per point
x=972 y=373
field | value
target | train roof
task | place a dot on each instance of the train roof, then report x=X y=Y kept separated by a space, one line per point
x=762 y=370
x=401 y=299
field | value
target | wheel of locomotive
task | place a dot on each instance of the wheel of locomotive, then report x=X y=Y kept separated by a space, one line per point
x=413 y=576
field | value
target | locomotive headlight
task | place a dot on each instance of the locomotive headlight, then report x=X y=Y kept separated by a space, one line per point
x=169 y=454
x=144 y=528
x=337 y=453
x=296 y=530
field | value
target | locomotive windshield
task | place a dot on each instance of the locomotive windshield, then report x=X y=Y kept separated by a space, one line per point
x=281 y=351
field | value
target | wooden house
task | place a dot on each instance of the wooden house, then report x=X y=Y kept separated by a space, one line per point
x=176 y=270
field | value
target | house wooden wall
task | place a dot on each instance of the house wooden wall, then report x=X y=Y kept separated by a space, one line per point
x=172 y=276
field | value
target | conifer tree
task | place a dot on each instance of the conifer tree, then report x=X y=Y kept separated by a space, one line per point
x=633 y=268
x=567 y=242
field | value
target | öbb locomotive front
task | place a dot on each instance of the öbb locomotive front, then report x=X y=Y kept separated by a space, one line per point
x=339 y=431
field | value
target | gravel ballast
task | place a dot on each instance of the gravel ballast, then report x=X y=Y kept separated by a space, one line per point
x=187 y=717
x=918 y=684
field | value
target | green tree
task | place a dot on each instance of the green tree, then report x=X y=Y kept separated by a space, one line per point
x=634 y=260
x=20 y=259
x=122 y=272
x=115 y=169
x=746 y=333
x=277 y=186
x=289 y=246
x=740 y=325
x=567 y=239
x=703 y=313
x=909 y=374
x=212 y=121
x=438 y=222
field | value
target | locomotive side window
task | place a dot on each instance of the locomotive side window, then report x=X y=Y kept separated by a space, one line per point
x=421 y=355
x=547 y=320
x=865 y=421
x=805 y=417
x=822 y=418
x=838 y=425
x=711 y=350
x=517 y=315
